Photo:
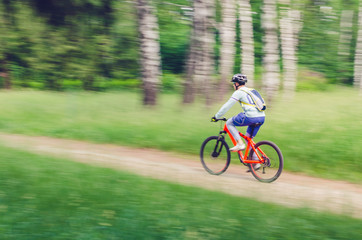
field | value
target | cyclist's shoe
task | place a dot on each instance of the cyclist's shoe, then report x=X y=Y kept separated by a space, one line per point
x=256 y=167
x=238 y=147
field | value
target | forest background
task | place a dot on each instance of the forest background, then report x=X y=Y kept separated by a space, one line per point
x=95 y=45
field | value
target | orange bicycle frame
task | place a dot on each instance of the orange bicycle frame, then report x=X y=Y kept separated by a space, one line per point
x=250 y=144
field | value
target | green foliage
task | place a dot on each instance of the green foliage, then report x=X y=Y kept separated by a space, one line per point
x=120 y=84
x=96 y=42
x=256 y=7
x=319 y=40
x=311 y=81
x=72 y=84
x=49 y=198
x=36 y=85
x=175 y=29
x=237 y=57
x=84 y=46
x=171 y=82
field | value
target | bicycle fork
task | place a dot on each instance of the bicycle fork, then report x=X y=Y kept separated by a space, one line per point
x=219 y=145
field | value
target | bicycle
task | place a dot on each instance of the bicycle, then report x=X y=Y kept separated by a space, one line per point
x=264 y=159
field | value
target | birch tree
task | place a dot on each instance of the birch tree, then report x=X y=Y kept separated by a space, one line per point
x=357 y=82
x=227 y=52
x=207 y=68
x=200 y=66
x=150 y=50
x=247 y=41
x=288 y=45
x=271 y=81
x=345 y=39
x=297 y=26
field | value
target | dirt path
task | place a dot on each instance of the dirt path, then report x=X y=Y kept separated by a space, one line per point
x=289 y=190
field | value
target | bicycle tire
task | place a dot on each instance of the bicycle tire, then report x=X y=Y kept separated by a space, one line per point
x=215 y=155
x=274 y=162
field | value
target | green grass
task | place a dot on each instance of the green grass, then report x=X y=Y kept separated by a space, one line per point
x=319 y=133
x=49 y=198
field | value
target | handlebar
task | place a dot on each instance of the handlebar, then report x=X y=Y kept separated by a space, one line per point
x=218 y=119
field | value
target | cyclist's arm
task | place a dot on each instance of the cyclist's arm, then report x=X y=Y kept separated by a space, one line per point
x=227 y=105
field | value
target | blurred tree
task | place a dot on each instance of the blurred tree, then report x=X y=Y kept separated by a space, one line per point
x=175 y=25
x=94 y=42
x=58 y=12
x=271 y=69
x=288 y=46
x=318 y=47
x=227 y=51
x=357 y=82
x=16 y=40
x=247 y=41
x=124 y=42
x=7 y=37
x=78 y=45
x=345 y=37
x=258 y=32
x=200 y=65
x=297 y=20
x=150 y=50
x=344 y=47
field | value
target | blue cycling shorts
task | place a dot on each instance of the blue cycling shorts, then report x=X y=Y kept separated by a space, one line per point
x=253 y=124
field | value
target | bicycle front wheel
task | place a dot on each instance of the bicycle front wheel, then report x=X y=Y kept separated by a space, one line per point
x=272 y=167
x=215 y=155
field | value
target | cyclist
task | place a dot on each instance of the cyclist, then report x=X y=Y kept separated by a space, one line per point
x=250 y=116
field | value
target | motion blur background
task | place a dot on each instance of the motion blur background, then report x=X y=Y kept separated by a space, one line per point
x=95 y=45
x=151 y=73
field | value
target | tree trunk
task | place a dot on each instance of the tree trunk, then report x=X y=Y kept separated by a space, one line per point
x=297 y=26
x=150 y=50
x=189 y=85
x=345 y=39
x=358 y=55
x=345 y=34
x=288 y=51
x=88 y=83
x=247 y=41
x=207 y=67
x=271 y=73
x=227 y=51
x=200 y=65
x=5 y=75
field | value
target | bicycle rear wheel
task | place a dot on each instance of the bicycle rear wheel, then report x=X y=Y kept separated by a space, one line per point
x=271 y=169
x=215 y=155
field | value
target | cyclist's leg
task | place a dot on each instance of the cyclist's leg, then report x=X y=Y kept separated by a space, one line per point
x=235 y=134
x=254 y=125
x=252 y=130
x=232 y=129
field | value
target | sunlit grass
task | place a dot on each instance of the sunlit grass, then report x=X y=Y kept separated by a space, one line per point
x=49 y=198
x=319 y=133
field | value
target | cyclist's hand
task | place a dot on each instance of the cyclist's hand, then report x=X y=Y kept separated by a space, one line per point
x=213 y=119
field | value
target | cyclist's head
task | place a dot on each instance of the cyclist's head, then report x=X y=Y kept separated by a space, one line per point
x=239 y=78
